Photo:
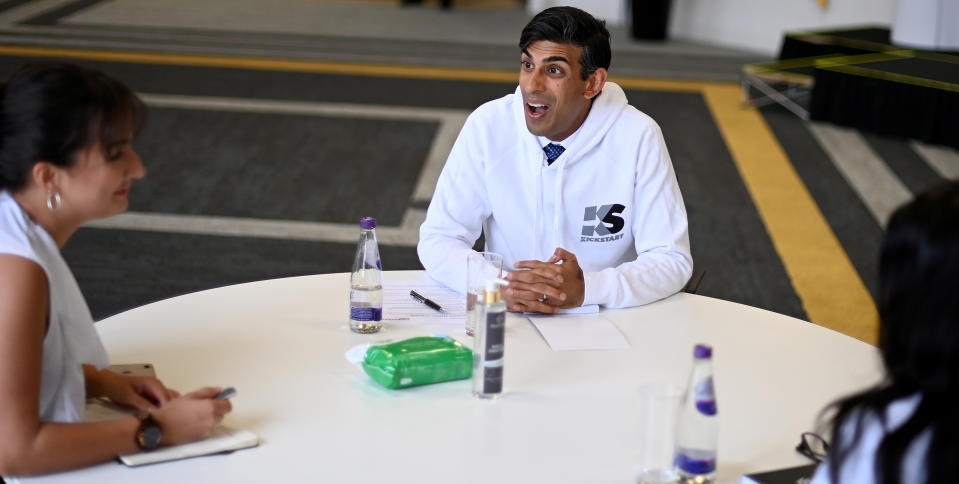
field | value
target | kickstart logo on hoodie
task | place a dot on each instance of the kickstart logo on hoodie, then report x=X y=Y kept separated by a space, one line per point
x=603 y=223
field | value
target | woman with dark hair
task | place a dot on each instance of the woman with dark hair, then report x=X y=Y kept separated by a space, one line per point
x=66 y=158
x=906 y=429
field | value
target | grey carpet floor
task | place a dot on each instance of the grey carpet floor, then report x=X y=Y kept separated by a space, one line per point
x=313 y=168
x=334 y=169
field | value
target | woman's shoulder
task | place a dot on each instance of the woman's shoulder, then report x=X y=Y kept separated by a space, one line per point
x=20 y=264
x=876 y=423
x=21 y=272
x=863 y=431
x=14 y=229
x=900 y=410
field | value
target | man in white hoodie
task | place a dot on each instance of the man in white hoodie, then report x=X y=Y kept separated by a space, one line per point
x=566 y=180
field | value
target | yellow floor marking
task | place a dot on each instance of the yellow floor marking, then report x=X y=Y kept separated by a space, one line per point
x=831 y=291
x=828 y=285
x=322 y=67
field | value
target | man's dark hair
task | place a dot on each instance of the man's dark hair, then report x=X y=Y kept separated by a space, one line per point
x=569 y=25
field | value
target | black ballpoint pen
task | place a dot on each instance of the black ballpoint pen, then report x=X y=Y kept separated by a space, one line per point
x=225 y=394
x=417 y=296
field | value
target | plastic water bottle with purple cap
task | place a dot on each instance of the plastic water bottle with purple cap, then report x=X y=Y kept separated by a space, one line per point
x=366 y=282
x=697 y=429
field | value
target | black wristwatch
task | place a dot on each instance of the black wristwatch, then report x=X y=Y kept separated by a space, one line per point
x=148 y=434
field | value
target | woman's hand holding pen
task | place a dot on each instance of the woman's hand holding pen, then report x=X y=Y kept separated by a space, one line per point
x=182 y=418
x=191 y=417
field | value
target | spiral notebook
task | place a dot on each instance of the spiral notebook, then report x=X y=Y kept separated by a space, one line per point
x=223 y=440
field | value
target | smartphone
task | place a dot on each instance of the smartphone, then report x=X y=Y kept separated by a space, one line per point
x=134 y=369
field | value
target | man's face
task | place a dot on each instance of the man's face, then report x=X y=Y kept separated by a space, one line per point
x=556 y=97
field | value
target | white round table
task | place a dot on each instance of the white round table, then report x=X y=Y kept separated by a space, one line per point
x=565 y=416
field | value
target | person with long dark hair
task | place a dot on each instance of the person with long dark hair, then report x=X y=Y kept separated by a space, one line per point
x=66 y=157
x=906 y=429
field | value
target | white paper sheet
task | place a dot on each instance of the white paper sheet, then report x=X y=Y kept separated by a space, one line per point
x=587 y=309
x=579 y=332
x=399 y=306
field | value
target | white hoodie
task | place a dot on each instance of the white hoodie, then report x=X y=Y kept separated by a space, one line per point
x=611 y=199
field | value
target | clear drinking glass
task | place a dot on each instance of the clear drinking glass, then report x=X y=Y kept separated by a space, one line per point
x=480 y=266
x=659 y=405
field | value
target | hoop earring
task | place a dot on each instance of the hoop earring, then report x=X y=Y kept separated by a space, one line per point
x=53 y=201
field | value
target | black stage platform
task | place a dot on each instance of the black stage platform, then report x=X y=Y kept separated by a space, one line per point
x=856 y=77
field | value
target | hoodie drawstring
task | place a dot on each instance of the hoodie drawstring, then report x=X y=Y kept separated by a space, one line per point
x=558 y=208
x=539 y=210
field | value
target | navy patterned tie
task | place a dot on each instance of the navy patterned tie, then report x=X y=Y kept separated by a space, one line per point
x=552 y=152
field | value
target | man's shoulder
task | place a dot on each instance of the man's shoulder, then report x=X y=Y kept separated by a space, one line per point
x=632 y=127
x=497 y=110
x=613 y=103
x=494 y=122
x=632 y=118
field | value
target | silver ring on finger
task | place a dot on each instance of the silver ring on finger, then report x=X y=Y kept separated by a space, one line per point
x=543 y=298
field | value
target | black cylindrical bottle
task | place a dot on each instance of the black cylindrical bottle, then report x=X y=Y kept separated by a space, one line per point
x=488 y=344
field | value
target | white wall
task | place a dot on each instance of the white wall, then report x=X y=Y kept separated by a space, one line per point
x=758 y=25
x=755 y=25
x=614 y=12
x=927 y=24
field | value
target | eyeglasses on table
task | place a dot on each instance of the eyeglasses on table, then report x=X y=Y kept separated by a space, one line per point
x=813 y=446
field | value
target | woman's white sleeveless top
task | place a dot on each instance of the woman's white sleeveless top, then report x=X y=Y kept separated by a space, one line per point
x=71 y=339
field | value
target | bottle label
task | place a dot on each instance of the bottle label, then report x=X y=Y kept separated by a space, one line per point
x=366 y=314
x=493 y=361
x=495 y=336
x=706 y=397
x=695 y=465
x=493 y=379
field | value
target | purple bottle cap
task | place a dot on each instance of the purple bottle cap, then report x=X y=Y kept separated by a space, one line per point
x=702 y=351
x=368 y=223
